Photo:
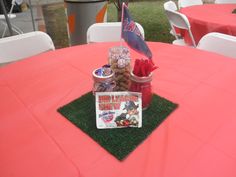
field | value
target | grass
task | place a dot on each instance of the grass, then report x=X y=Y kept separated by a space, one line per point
x=150 y=14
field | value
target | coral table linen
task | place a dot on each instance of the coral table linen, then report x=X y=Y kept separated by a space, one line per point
x=196 y=140
x=210 y=18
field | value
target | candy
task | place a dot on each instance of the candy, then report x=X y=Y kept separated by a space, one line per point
x=143 y=68
x=103 y=79
x=141 y=80
x=119 y=59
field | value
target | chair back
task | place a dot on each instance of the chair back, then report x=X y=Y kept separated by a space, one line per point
x=24 y=45
x=218 y=43
x=171 y=6
x=186 y=3
x=180 y=21
x=107 y=32
x=225 y=1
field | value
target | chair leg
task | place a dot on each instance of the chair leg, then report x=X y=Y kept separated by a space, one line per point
x=14 y=28
x=17 y=29
x=5 y=29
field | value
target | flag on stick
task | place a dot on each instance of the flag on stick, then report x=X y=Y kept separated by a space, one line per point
x=132 y=35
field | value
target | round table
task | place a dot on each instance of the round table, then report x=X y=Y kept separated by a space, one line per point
x=210 y=18
x=196 y=140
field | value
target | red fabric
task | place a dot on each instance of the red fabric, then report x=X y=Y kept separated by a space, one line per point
x=198 y=139
x=210 y=18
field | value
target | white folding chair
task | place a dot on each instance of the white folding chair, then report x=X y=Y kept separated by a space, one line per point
x=24 y=45
x=186 y=3
x=10 y=15
x=180 y=21
x=171 y=6
x=218 y=43
x=225 y=1
x=107 y=32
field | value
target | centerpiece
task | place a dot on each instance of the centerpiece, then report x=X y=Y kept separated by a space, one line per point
x=122 y=81
x=133 y=107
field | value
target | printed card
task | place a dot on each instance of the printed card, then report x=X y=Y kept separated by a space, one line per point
x=118 y=109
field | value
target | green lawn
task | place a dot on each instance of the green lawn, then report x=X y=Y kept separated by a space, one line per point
x=151 y=15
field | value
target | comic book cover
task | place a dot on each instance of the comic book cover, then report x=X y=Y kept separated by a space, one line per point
x=118 y=109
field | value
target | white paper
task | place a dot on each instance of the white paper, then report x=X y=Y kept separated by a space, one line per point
x=118 y=109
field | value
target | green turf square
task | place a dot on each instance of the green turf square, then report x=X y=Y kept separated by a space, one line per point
x=120 y=141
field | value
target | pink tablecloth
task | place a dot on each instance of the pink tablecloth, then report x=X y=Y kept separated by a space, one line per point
x=196 y=140
x=210 y=18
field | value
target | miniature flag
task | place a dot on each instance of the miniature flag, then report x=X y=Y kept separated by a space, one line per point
x=132 y=35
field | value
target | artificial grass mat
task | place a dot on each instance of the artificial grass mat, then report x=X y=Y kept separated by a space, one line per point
x=118 y=141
